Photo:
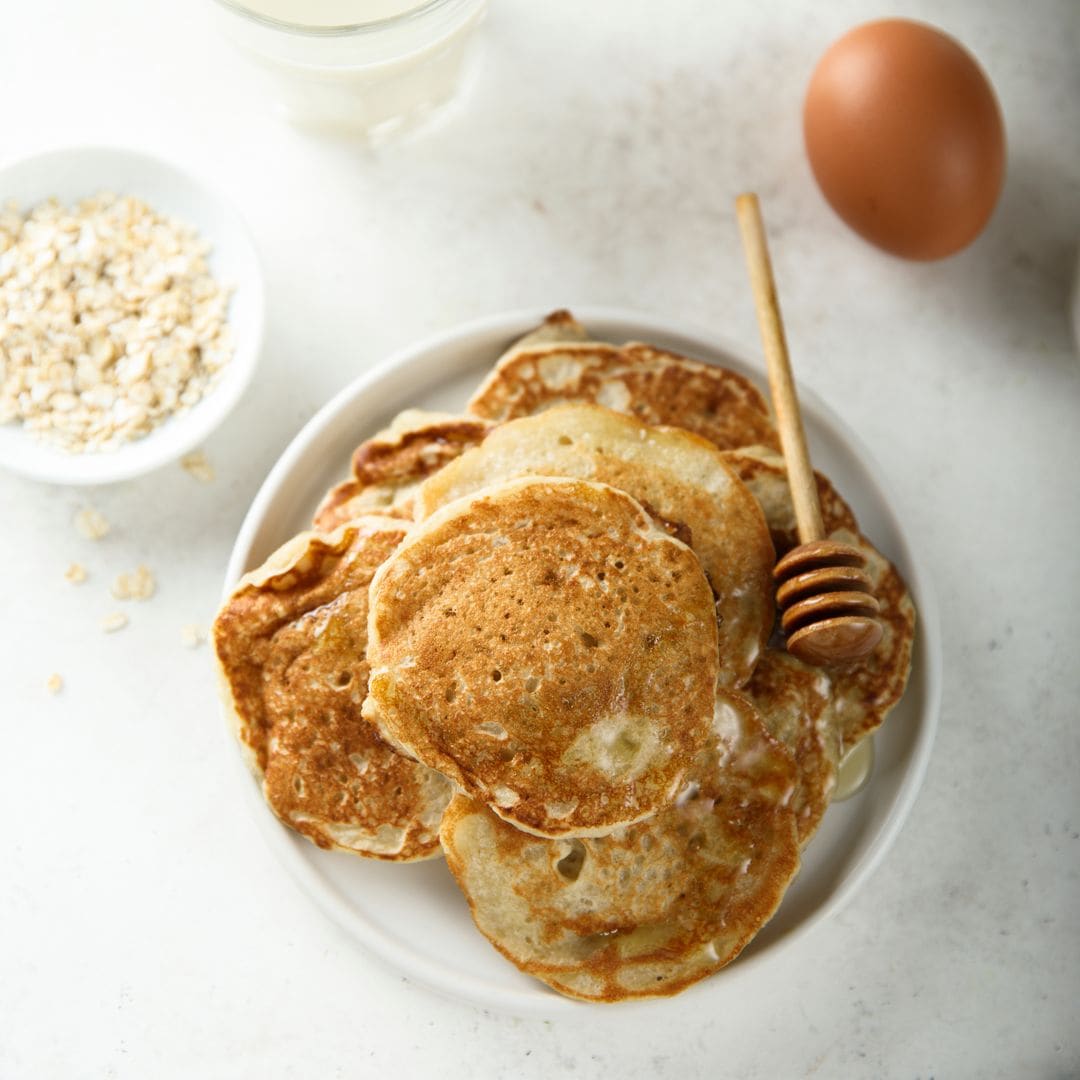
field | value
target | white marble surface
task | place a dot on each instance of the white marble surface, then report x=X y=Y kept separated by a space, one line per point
x=145 y=930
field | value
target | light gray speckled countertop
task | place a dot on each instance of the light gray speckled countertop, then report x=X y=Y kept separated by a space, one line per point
x=145 y=930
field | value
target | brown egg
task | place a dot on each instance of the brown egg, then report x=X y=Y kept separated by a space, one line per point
x=905 y=138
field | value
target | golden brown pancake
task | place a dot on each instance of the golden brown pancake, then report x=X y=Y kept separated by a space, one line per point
x=290 y=645
x=558 y=326
x=680 y=479
x=762 y=470
x=387 y=468
x=548 y=648
x=864 y=692
x=656 y=906
x=793 y=700
x=655 y=386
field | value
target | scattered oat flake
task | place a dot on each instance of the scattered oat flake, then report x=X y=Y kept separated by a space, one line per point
x=137 y=585
x=114 y=621
x=54 y=683
x=91 y=523
x=192 y=635
x=196 y=465
x=75 y=573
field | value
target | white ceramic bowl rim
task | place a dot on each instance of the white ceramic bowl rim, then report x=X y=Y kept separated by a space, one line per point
x=85 y=170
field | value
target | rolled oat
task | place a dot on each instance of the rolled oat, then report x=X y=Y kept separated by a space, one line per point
x=197 y=466
x=139 y=584
x=92 y=524
x=75 y=573
x=110 y=320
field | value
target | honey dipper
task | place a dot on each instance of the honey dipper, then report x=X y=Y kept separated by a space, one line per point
x=828 y=611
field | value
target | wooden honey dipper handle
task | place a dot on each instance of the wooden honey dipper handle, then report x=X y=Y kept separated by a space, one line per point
x=778 y=366
x=828 y=611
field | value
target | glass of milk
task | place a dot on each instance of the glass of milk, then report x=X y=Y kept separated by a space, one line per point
x=365 y=67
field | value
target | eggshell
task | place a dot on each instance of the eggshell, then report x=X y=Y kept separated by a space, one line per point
x=905 y=138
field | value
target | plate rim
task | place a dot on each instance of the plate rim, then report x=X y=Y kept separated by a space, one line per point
x=541 y=1002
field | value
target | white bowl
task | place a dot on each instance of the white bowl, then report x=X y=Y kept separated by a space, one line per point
x=77 y=172
x=413 y=916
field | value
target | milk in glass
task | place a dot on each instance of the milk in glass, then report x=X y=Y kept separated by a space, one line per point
x=361 y=66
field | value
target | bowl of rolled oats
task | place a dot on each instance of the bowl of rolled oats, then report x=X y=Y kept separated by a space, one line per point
x=131 y=314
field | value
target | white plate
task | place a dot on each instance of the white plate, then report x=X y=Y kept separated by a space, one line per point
x=413 y=916
x=77 y=172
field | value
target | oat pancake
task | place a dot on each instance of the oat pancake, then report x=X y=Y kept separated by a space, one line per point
x=864 y=692
x=550 y=649
x=559 y=326
x=764 y=473
x=653 y=385
x=681 y=479
x=793 y=700
x=654 y=907
x=290 y=645
x=387 y=468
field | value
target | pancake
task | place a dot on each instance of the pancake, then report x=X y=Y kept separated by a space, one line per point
x=680 y=479
x=387 y=468
x=793 y=700
x=763 y=471
x=653 y=385
x=548 y=648
x=865 y=692
x=862 y=693
x=655 y=907
x=559 y=326
x=290 y=646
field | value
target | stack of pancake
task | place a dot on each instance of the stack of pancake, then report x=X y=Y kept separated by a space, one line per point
x=539 y=638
